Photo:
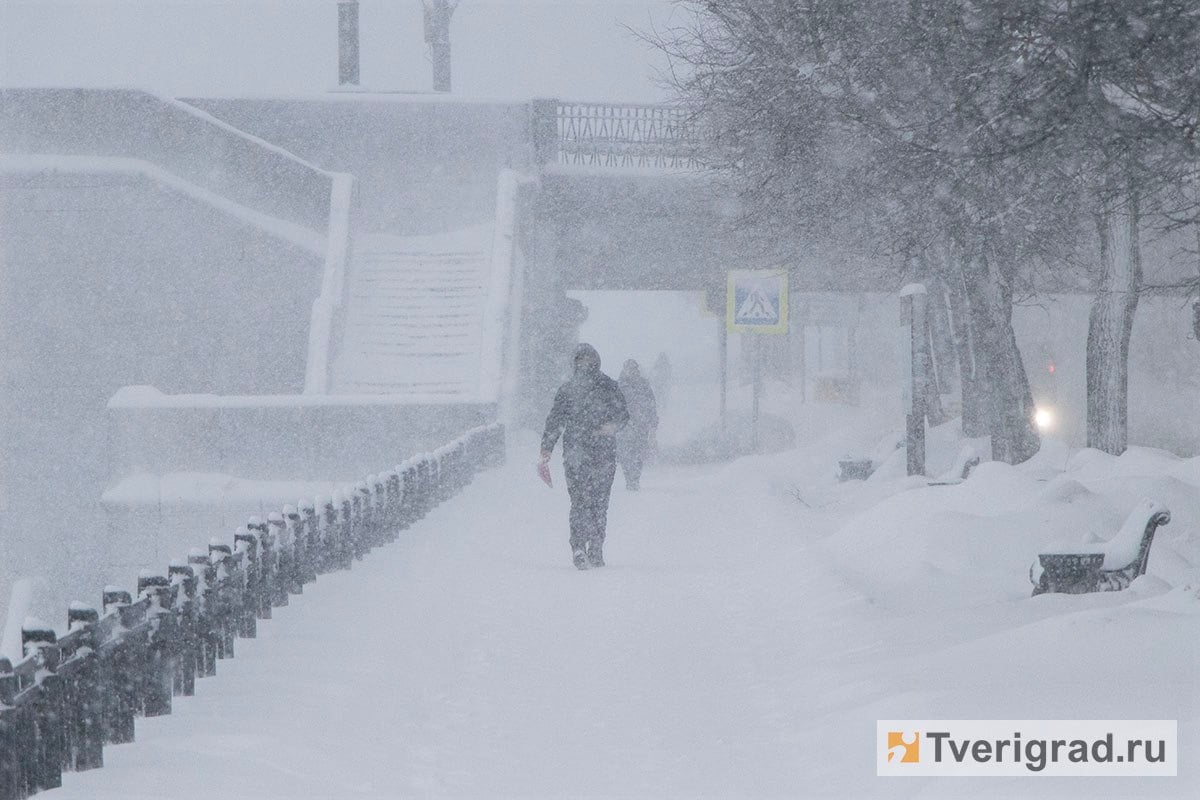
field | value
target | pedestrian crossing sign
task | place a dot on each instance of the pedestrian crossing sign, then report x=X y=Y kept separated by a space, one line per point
x=756 y=301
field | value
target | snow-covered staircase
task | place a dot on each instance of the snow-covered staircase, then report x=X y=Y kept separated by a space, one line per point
x=415 y=316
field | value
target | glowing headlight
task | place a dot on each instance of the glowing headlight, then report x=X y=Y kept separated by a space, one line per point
x=1043 y=418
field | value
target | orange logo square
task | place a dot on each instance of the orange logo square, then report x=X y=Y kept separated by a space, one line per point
x=904 y=746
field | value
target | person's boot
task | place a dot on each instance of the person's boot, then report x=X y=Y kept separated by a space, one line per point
x=595 y=553
x=580 y=557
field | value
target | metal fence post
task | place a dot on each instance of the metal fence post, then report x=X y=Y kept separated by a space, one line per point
x=280 y=565
x=184 y=581
x=159 y=673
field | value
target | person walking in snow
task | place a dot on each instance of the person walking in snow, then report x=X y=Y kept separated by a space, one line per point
x=588 y=412
x=634 y=439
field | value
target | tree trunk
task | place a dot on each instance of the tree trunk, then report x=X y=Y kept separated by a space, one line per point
x=1111 y=323
x=973 y=382
x=941 y=335
x=1009 y=402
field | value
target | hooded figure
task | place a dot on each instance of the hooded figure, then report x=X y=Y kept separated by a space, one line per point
x=634 y=438
x=588 y=411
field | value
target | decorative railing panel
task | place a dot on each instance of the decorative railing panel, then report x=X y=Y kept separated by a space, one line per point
x=609 y=135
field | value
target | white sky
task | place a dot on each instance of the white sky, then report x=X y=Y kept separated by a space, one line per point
x=576 y=49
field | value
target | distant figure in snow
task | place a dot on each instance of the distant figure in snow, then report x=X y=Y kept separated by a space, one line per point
x=588 y=411
x=634 y=439
x=660 y=378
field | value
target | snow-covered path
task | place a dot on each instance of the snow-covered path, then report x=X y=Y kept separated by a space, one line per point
x=721 y=653
x=472 y=658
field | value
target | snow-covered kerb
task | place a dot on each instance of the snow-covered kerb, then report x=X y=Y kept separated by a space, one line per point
x=333 y=287
x=182 y=140
x=501 y=314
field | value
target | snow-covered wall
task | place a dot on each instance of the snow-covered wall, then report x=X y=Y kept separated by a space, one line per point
x=109 y=278
x=423 y=164
x=275 y=437
x=178 y=138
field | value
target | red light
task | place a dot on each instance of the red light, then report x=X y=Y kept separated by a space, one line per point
x=1050 y=367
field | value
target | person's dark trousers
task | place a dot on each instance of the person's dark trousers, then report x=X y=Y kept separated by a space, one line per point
x=631 y=465
x=589 y=483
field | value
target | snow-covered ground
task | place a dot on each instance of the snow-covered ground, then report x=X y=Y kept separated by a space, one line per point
x=755 y=620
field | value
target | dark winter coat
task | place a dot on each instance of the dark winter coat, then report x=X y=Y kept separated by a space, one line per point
x=639 y=400
x=582 y=406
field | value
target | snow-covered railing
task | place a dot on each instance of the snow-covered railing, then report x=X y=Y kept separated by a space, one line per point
x=614 y=135
x=327 y=307
x=498 y=352
x=71 y=695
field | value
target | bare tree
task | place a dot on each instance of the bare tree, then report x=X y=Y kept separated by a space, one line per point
x=970 y=139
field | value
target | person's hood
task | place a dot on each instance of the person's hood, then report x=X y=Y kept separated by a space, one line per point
x=586 y=360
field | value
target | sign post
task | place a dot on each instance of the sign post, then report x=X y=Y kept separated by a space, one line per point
x=914 y=361
x=756 y=302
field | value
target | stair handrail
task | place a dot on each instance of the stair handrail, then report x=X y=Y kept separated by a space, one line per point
x=328 y=305
x=499 y=328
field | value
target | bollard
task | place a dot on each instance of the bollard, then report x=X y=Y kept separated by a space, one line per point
x=329 y=533
x=245 y=544
x=38 y=643
x=373 y=509
x=391 y=523
x=408 y=494
x=117 y=687
x=281 y=546
x=227 y=597
x=158 y=674
x=265 y=566
x=360 y=513
x=83 y=703
x=346 y=539
x=312 y=539
x=12 y=778
x=207 y=621
x=183 y=578
x=298 y=537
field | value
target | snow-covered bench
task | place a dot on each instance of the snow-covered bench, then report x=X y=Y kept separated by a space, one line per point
x=1106 y=567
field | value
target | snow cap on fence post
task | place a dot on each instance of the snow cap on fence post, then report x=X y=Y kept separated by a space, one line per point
x=80 y=613
x=115 y=596
x=246 y=541
x=36 y=634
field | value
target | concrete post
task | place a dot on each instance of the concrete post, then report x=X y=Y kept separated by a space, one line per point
x=348 y=43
